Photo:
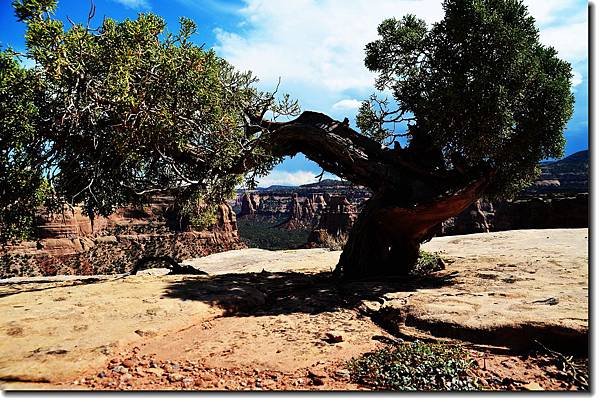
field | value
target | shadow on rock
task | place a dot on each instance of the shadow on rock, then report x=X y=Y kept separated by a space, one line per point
x=274 y=293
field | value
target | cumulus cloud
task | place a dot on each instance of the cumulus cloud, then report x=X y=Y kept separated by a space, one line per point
x=285 y=178
x=577 y=79
x=569 y=40
x=347 y=104
x=313 y=42
x=135 y=4
x=549 y=11
x=322 y=43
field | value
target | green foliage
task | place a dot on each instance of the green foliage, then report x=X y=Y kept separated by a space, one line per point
x=195 y=213
x=427 y=263
x=415 y=366
x=265 y=233
x=477 y=90
x=22 y=186
x=31 y=9
x=125 y=111
x=334 y=243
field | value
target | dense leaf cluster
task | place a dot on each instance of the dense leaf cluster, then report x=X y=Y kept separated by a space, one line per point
x=124 y=111
x=22 y=187
x=415 y=366
x=475 y=89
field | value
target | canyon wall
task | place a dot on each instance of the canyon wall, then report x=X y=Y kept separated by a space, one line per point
x=71 y=244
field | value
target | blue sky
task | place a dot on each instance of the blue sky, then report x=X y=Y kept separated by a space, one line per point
x=317 y=47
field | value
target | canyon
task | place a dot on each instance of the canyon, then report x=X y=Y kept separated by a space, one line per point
x=325 y=211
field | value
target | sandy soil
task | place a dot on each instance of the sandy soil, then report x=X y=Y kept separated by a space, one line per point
x=265 y=320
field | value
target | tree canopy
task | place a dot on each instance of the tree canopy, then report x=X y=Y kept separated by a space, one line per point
x=113 y=114
x=476 y=88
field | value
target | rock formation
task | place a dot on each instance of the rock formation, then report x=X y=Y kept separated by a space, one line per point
x=543 y=213
x=302 y=214
x=336 y=220
x=475 y=219
x=250 y=204
x=68 y=245
x=295 y=209
x=319 y=202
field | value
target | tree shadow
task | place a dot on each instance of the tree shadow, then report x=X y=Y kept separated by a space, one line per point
x=275 y=293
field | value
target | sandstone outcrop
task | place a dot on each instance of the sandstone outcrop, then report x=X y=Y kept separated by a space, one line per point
x=272 y=310
x=528 y=212
x=302 y=214
x=250 y=204
x=335 y=221
x=542 y=213
x=475 y=219
x=70 y=245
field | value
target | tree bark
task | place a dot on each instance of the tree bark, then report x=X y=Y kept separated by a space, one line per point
x=411 y=196
x=386 y=238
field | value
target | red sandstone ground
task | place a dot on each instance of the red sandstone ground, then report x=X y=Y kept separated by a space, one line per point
x=261 y=319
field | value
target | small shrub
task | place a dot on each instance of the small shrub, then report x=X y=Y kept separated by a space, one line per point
x=427 y=263
x=415 y=366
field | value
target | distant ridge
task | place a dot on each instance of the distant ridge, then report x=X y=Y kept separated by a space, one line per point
x=571 y=172
x=327 y=183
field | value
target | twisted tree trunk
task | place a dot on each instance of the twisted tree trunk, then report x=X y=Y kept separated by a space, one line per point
x=386 y=237
x=412 y=196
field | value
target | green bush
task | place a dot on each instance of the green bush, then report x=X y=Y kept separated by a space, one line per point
x=334 y=243
x=415 y=366
x=428 y=262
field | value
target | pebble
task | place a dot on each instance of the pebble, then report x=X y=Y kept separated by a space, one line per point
x=126 y=377
x=318 y=381
x=343 y=373
x=174 y=377
x=128 y=363
x=334 y=337
x=120 y=369
x=156 y=370
x=532 y=386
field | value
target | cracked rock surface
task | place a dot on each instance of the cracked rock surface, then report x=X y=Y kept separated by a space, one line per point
x=272 y=312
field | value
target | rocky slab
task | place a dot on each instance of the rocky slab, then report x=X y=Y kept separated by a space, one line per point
x=259 y=308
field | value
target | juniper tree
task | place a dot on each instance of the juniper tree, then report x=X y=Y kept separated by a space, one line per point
x=475 y=102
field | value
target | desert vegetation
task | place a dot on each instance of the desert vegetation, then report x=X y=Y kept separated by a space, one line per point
x=114 y=113
x=140 y=136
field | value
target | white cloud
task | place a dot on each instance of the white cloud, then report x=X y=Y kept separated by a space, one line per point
x=548 y=11
x=570 y=40
x=285 y=178
x=317 y=47
x=347 y=104
x=135 y=4
x=211 y=5
x=577 y=79
x=316 y=43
